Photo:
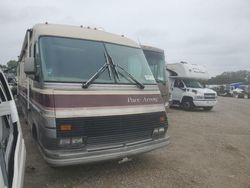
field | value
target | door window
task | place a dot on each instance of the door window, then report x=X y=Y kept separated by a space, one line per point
x=179 y=84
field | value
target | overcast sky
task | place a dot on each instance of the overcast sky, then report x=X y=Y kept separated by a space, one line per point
x=214 y=33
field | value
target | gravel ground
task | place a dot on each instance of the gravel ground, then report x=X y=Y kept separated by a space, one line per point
x=208 y=149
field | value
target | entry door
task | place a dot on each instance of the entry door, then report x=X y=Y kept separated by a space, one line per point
x=177 y=90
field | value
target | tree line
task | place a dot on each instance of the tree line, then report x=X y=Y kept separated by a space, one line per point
x=231 y=77
x=10 y=67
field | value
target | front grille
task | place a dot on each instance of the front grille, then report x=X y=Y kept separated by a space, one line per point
x=209 y=95
x=112 y=129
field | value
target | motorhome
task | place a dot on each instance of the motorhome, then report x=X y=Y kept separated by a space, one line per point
x=185 y=87
x=12 y=147
x=88 y=95
x=156 y=60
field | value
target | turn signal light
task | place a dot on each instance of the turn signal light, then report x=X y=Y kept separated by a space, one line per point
x=65 y=127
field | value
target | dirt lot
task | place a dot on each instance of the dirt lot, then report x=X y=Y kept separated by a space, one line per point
x=208 y=149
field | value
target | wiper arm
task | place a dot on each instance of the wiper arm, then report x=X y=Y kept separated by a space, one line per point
x=141 y=86
x=98 y=73
x=95 y=76
x=107 y=62
x=113 y=68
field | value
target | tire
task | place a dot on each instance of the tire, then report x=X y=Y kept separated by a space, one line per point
x=187 y=105
x=208 y=108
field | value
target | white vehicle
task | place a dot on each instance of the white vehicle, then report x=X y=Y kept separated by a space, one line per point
x=185 y=88
x=12 y=148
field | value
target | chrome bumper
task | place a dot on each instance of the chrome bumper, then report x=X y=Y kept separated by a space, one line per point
x=60 y=158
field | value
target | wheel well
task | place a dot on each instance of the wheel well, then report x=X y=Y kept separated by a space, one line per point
x=186 y=98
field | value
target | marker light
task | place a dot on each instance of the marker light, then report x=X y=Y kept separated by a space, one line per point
x=65 y=127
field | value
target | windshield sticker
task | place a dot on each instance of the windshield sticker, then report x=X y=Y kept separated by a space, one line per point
x=149 y=77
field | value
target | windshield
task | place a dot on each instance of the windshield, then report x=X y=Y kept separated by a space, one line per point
x=192 y=83
x=131 y=60
x=71 y=60
x=156 y=63
x=77 y=60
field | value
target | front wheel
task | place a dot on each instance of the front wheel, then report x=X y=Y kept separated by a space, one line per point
x=187 y=105
x=208 y=108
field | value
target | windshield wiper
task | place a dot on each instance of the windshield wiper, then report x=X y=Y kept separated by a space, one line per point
x=141 y=86
x=98 y=73
x=109 y=63
x=95 y=76
x=115 y=72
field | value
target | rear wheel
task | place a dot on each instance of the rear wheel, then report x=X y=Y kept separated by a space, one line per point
x=208 y=108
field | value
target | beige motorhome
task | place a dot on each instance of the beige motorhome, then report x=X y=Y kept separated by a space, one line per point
x=88 y=95
x=156 y=60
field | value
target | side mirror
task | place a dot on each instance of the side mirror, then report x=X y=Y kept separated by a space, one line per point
x=29 y=65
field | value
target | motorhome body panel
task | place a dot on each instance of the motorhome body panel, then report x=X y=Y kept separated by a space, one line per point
x=186 y=70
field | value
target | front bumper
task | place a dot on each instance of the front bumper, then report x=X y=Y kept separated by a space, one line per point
x=65 y=158
x=204 y=103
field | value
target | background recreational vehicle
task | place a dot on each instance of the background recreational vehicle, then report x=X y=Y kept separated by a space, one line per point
x=185 y=88
x=156 y=61
x=12 y=148
x=88 y=95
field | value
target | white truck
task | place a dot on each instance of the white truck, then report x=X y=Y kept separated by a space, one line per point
x=185 y=89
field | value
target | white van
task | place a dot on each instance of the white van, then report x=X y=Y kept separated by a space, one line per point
x=12 y=148
x=186 y=90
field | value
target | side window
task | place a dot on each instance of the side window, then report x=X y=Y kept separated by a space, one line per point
x=179 y=84
x=37 y=62
x=176 y=83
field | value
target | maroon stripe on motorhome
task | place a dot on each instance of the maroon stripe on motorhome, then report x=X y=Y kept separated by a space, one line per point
x=71 y=101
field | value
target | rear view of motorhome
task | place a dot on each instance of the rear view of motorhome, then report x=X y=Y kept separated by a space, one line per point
x=156 y=61
x=186 y=90
x=88 y=95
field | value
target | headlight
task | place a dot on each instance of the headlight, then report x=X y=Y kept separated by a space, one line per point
x=64 y=141
x=76 y=140
x=158 y=132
